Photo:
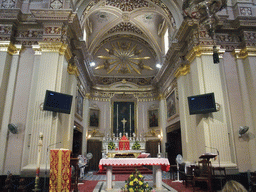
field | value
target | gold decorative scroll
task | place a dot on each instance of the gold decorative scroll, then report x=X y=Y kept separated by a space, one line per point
x=182 y=71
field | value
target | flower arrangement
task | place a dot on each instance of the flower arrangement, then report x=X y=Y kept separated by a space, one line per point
x=111 y=145
x=136 y=145
x=135 y=183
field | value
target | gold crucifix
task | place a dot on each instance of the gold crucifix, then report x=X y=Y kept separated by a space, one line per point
x=123 y=121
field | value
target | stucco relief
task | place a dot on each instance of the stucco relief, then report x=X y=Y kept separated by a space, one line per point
x=8 y=4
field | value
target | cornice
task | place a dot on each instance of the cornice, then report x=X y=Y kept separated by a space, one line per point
x=185 y=27
x=53 y=47
x=10 y=14
x=51 y=15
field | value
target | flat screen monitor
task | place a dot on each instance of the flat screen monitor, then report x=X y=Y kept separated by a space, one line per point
x=201 y=104
x=57 y=102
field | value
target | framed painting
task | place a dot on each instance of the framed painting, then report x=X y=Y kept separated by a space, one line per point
x=153 y=118
x=94 y=117
x=123 y=118
x=171 y=102
x=79 y=105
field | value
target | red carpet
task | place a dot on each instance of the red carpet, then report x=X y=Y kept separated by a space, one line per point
x=88 y=186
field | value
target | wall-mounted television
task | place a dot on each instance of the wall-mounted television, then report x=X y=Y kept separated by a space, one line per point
x=57 y=102
x=201 y=104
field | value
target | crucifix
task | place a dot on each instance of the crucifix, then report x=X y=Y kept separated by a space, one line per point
x=123 y=121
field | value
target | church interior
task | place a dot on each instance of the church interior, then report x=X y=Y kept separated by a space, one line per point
x=112 y=79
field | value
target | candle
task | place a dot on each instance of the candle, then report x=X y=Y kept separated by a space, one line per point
x=117 y=121
x=158 y=148
x=106 y=149
x=130 y=120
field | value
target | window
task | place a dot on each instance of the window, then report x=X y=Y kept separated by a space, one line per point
x=85 y=35
x=166 y=41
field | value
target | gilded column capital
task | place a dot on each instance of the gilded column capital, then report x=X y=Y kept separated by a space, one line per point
x=14 y=49
x=182 y=71
x=37 y=49
x=88 y=96
x=72 y=69
x=200 y=50
x=160 y=97
x=244 y=53
x=7 y=46
x=68 y=54
x=58 y=47
x=4 y=45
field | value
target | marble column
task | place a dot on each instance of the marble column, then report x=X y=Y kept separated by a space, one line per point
x=201 y=131
x=245 y=60
x=50 y=73
x=9 y=64
x=162 y=123
x=86 y=123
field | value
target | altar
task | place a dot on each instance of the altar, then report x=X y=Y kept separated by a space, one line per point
x=114 y=147
x=127 y=153
x=159 y=165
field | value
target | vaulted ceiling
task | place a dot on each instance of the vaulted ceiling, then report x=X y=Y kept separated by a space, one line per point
x=125 y=37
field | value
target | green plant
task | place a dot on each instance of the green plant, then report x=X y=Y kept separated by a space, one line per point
x=136 y=145
x=135 y=183
x=111 y=145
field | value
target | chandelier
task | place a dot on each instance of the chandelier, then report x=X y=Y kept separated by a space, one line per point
x=205 y=11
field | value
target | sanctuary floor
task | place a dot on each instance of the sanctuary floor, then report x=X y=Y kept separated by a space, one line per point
x=96 y=183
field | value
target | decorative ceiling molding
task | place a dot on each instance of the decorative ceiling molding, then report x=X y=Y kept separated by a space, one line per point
x=125 y=27
x=130 y=36
x=131 y=5
x=128 y=5
x=111 y=80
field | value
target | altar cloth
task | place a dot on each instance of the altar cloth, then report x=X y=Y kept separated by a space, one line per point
x=159 y=165
x=165 y=165
x=124 y=143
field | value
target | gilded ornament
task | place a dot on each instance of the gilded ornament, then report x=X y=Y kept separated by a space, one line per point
x=182 y=71
x=123 y=58
x=245 y=52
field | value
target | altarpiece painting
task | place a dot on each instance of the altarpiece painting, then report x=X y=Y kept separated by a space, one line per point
x=123 y=118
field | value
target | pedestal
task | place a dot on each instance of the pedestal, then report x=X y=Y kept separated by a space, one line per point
x=157 y=176
x=109 y=177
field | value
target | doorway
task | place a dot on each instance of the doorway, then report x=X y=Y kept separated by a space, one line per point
x=95 y=148
x=173 y=145
x=77 y=143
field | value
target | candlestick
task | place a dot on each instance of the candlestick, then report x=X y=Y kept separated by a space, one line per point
x=117 y=121
x=40 y=144
x=130 y=120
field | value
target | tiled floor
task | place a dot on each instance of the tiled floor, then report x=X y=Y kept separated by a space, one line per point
x=97 y=183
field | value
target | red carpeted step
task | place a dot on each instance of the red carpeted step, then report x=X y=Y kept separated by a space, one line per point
x=126 y=170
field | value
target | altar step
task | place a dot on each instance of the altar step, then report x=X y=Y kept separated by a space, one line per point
x=127 y=170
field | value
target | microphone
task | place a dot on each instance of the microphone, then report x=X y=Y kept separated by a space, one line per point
x=52 y=145
x=218 y=153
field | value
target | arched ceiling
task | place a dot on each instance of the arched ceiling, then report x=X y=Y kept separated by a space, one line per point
x=125 y=37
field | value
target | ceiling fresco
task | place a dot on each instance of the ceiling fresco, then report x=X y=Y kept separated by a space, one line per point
x=139 y=25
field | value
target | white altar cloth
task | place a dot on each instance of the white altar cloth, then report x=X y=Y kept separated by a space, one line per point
x=159 y=165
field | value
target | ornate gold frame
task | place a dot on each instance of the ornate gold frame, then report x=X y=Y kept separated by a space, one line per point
x=172 y=103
